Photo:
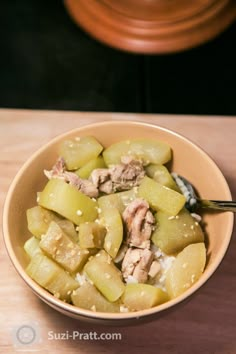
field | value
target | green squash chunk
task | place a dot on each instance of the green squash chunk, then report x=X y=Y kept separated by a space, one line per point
x=143 y=296
x=106 y=277
x=91 y=235
x=88 y=297
x=80 y=150
x=86 y=170
x=186 y=269
x=69 y=228
x=112 y=155
x=161 y=175
x=51 y=276
x=172 y=234
x=160 y=197
x=149 y=151
x=118 y=200
x=31 y=247
x=62 y=249
x=38 y=220
x=111 y=219
x=67 y=201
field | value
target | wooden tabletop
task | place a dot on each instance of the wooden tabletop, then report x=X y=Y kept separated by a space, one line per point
x=206 y=324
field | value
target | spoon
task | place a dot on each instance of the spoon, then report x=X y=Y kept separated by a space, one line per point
x=193 y=202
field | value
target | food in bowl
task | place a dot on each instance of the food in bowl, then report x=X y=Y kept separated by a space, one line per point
x=110 y=230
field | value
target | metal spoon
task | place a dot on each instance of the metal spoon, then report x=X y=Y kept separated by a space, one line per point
x=193 y=202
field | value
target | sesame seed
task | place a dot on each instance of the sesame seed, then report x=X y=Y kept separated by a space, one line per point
x=51 y=195
x=58 y=237
x=77 y=138
x=184 y=265
x=196 y=217
x=93 y=308
x=107 y=276
x=164 y=187
x=68 y=292
x=171 y=217
x=186 y=235
x=142 y=293
x=192 y=227
x=187 y=285
x=90 y=281
x=73 y=252
x=79 y=212
x=177 y=217
x=108 y=245
x=123 y=308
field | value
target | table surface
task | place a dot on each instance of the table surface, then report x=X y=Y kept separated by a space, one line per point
x=206 y=324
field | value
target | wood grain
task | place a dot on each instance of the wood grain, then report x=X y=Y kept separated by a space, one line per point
x=206 y=324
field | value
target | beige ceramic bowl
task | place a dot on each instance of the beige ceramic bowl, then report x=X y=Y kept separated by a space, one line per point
x=188 y=160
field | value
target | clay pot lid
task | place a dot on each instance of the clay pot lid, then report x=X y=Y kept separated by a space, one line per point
x=153 y=26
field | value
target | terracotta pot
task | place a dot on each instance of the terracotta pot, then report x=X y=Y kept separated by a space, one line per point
x=152 y=26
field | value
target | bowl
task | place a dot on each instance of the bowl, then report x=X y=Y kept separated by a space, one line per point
x=188 y=160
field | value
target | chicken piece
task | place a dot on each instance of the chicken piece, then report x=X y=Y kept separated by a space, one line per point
x=57 y=170
x=101 y=178
x=123 y=176
x=126 y=175
x=137 y=262
x=83 y=185
x=106 y=187
x=139 y=223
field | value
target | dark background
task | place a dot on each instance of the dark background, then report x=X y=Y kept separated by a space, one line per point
x=47 y=62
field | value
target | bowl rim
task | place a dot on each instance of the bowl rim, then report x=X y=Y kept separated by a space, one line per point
x=88 y=314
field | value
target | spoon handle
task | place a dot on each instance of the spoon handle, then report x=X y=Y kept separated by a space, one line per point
x=218 y=204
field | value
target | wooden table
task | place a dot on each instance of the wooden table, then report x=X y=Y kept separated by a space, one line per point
x=206 y=324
